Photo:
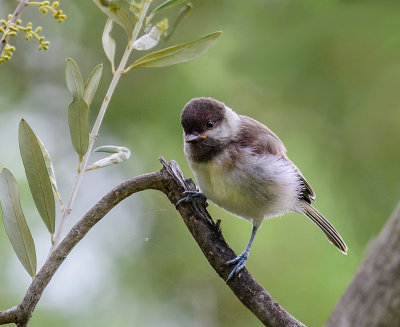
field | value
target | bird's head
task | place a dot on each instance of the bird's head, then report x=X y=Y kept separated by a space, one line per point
x=208 y=125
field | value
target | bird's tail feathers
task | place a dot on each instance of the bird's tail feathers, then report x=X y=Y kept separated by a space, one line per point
x=331 y=233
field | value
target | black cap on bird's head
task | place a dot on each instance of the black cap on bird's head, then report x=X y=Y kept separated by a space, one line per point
x=200 y=115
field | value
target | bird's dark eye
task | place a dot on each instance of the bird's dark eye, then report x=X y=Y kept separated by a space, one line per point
x=210 y=124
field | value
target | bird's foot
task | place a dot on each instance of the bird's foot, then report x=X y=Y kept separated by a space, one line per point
x=193 y=196
x=240 y=262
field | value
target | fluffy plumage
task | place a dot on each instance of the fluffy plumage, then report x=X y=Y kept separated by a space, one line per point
x=242 y=166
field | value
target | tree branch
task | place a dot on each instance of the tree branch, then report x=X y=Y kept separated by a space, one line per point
x=210 y=240
x=170 y=181
x=373 y=297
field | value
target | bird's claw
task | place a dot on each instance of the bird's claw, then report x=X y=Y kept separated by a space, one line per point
x=193 y=196
x=240 y=262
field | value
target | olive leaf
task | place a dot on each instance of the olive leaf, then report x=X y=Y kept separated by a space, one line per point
x=78 y=110
x=167 y=4
x=118 y=14
x=176 y=54
x=92 y=83
x=78 y=120
x=149 y=40
x=74 y=79
x=183 y=14
x=14 y=221
x=37 y=174
x=109 y=43
x=119 y=154
x=50 y=171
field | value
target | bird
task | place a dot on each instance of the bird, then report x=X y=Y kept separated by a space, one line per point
x=242 y=167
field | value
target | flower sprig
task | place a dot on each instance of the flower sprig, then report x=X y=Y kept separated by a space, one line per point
x=162 y=26
x=45 y=7
x=10 y=27
x=7 y=53
x=30 y=33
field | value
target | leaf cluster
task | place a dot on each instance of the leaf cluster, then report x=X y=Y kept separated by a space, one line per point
x=131 y=17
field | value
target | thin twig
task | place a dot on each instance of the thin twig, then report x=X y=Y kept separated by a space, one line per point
x=209 y=238
x=96 y=127
x=17 y=13
x=24 y=311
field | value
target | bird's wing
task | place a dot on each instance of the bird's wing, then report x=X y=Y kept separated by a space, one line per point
x=306 y=193
x=255 y=135
x=264 y=141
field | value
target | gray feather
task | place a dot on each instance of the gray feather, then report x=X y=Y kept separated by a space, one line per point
x=330 y=232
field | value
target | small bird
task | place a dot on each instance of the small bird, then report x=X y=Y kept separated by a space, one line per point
x=242 y=166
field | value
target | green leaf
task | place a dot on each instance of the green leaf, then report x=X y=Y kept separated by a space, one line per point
x=37 y=175
x=109 y=43
x=92 y=84
x=119 y=154
x=50 y=171
x=14 y=221
x=118 y=14
x=167 y=4
x=183 y=14
x=176 y=54
x=74 y=79
x=149 y=40
x=78 y=120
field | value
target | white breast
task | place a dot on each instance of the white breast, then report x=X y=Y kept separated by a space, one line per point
x=257 y=187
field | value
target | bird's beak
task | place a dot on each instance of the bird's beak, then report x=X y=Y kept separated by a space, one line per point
x=190 y=138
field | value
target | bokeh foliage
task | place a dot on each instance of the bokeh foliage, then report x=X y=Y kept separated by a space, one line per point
x=324 y=75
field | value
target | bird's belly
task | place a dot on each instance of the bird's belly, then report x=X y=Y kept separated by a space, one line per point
x=244 y=192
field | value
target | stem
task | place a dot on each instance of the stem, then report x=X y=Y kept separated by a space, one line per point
x=97 y=124
x=21 y=5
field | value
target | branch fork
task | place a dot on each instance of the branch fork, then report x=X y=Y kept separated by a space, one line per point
x=206 y=233
x=356 y=308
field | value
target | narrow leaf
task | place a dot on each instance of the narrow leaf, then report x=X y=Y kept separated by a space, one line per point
x=74 y=79
x=176 y=54
x=92 y=84
x=50 y=171
x=109 y=43
x=183 y=14
x=111 y=149
x=118 y=14
x=167 y=4
x=37 y=175
x=14 y=221
x=78 y=120
x=149 y=40
x=119 y=154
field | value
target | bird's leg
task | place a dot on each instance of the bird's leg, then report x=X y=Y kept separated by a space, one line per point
x=241 y=259
x=193 y=196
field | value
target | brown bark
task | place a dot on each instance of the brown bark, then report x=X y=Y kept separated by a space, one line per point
x=206 y=233
x=373 y=297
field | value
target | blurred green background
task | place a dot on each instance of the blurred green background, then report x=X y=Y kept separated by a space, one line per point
x=324 y=75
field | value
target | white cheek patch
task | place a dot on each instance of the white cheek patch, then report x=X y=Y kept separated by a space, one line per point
x=227 y=128
x=233 y=120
